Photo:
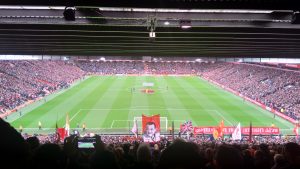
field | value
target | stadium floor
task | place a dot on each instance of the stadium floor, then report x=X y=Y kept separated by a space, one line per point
x=110 y=103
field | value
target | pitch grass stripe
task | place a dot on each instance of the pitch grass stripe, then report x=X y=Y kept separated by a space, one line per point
x=121 y=99
x=203 y=116
x=236 y=108
x=139 y=99
x=88 y=101
x=173 y=103
x=156 y=100
x=170 y=102
x=48 y=112
x=134 y=100
x=67 y=105
x=36 y=104
x=253 y=112
x=202 y=99
x=56 y=108
x=96 y=113
x=79 y=100
x=229 y=108
x=183 y=100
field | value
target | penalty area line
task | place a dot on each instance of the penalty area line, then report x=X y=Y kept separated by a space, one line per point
x=74 y=116
x=113 y=122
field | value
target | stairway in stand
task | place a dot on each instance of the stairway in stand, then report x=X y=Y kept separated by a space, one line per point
x=146 y=68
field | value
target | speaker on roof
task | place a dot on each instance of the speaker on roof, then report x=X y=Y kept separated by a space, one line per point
x=295 y=17
x=69 y=13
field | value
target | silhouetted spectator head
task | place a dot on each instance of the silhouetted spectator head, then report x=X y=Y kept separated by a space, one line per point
x=182 y=155
x=279 y=160
x=228 y=157
x=14 y=150
x=33 y=142
x=292 y=154
x=49 y=156
x=103 y=159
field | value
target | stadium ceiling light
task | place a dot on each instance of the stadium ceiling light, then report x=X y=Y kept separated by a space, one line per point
x=166 y=23
x=185 y=24
x=148 y=9
x=187 y=10
x=32 y=7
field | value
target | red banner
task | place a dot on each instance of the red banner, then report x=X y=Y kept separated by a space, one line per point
x=151 y=128
x=245 y=130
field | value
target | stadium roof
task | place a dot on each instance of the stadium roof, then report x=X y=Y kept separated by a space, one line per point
x=225 y=28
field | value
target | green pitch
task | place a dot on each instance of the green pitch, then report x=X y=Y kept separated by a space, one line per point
x=110 y=103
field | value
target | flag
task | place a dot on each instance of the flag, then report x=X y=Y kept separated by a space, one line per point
x=56 y=126
x=221 y=127
x=218 y=131
x=67 y=127
x=250 y=132
x=61 y=133
x=237 y=134
x=186 y=127
x=134 y=129
x=151 y=128
x=154 y=118
x=296 y=131
x=215 y=134
x=57 y=132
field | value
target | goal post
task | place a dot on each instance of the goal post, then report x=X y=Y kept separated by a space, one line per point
x=163 y=123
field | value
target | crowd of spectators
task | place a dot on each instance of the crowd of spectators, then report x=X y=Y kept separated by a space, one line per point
x=121 y=152
x=21 y=81
x=139 y=67
x=276 y=88
x=112 y=67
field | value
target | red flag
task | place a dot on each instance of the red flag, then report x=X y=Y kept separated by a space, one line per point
x=61 y=133
x=250 y=132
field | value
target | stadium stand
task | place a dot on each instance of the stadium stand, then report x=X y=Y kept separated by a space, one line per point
x=27 y=80
x=274 y=87
x=125 y=152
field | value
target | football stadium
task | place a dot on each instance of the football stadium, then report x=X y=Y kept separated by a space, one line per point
x=152 y=84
